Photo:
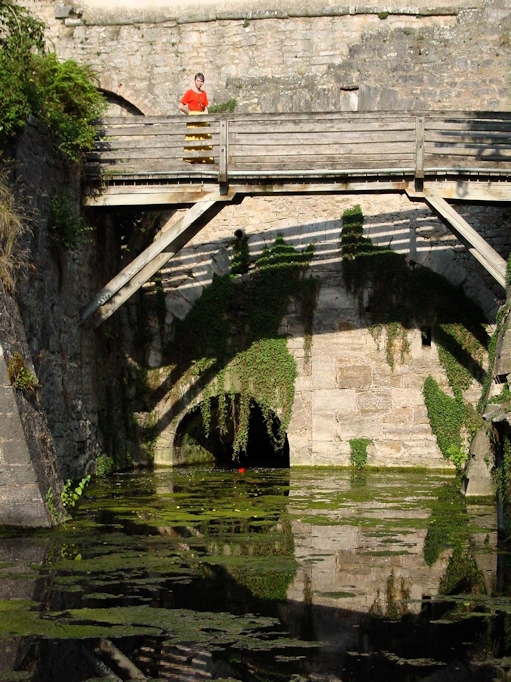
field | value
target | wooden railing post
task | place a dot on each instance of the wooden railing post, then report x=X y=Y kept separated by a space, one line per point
x=224 y=142
x=419 y=153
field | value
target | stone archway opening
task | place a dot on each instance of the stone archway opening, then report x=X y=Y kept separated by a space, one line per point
x=119 y=105
x=193 y=445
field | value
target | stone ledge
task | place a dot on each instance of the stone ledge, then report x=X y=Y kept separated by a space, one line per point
x=202 y=12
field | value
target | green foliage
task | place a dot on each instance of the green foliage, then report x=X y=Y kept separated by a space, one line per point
x=462 y=575
x=358 y=456
x=460 y=353
x=224 y=107
x=49 y=498
x=58 y=515
x=241 y=257
x=33 y=81
x=500 y=328
x=458 y=456
x=448 y=525
x=68 y=102
x=71 y=493
x=149 y=436
x=234 y=329
x=67 y=227
x=15 y=104
x=503 y=480
x=20 y=32
x=21 y=36
x=446 y=416
x=20 y=377
x=104 y=465
x=383 y=15
x=503 y=398
x=508 y=272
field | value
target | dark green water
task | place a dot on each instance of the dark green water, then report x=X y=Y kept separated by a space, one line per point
x=199 y=574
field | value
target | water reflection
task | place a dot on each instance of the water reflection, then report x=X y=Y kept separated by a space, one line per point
x=208 y=574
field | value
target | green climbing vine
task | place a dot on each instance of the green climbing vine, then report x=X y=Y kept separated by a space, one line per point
x=446 y=415
x=20 y=377
x=231 y=341
x=501 y=325
x=403 y=296
x=358 y=452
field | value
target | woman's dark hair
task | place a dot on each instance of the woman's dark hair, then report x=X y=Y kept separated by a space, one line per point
x=199 y=75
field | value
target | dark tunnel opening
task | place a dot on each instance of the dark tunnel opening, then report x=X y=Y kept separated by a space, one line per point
x=193 y=445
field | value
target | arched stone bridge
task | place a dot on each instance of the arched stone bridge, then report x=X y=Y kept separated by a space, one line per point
x=206 y=162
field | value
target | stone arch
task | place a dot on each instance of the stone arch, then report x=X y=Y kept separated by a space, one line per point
x=120 y=93
x=193 y=446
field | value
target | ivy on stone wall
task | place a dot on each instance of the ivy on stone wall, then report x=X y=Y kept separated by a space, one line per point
x=503 y=479
x=232 y=334
x=358 y=452
x=404 y=295
x=501 y=325
x=446 y=416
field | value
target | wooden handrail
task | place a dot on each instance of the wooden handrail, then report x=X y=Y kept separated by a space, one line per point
x=306 y=145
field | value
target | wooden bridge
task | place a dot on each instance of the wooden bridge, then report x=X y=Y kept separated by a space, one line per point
x=206 y=161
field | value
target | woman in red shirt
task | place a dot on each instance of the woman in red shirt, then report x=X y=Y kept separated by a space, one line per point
x=195 y=99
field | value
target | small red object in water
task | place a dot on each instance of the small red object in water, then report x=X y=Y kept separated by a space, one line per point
x=241 y=470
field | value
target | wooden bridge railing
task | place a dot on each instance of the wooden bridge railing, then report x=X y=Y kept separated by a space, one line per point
x=132 y=149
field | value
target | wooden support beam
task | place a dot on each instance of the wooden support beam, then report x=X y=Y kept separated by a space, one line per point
x=224 y=153
x=478 y=247
x=140 y=195
x=464 y=190
x=419 y=151
x=175 y=237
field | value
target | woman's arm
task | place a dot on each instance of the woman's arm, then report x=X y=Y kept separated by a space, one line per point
x=183 y=108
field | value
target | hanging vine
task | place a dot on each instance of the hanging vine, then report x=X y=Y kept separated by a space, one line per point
x=233 y=333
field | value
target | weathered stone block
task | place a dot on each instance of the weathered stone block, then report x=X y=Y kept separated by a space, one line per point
x=334 y=401
x=323 y=372
x=63 y=11
x=352 y=376
x=406 y=397
x=361 y=427
x=324 y=427
x=378 y=400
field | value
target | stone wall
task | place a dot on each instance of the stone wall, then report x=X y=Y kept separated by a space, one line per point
x=294 y=58
x=69 y=359
x=298 y=59
x=347 y=389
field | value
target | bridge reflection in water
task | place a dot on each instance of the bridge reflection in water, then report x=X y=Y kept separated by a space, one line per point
x=207 y=574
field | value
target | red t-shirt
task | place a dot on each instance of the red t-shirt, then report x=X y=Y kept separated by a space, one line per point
x=197 y=101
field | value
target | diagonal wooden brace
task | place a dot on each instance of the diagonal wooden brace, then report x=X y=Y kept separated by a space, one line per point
x=144 y=266
x=478 y=247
